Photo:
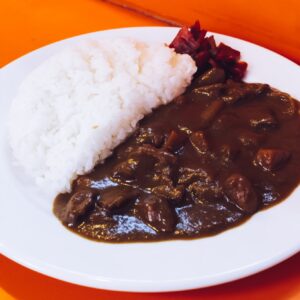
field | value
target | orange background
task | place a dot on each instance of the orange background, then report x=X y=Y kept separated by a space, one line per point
x=272 y=24
x=28 y=24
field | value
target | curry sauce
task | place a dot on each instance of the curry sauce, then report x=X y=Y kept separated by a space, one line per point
x=197 y=166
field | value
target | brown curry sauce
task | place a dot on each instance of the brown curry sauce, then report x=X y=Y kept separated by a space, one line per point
x=197 y=166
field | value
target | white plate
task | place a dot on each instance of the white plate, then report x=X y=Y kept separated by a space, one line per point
x=32 y=236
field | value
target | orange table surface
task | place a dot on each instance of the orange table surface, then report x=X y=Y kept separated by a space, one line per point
x=269 y=23
x=28 y=24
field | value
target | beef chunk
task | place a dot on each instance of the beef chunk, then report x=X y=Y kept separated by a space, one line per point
x=236 y=91
x=169 y=192
x=116 y=197
x=199 y=142
x=271 y=159
x=263 y=120
x=209 y=114
x=213 y=90
x=204 y=192
x=214 y=75
x=238 y=191
x=129 y=169
x=157 y=213
x=99 y=215
x=174 y=141
x=188 y=175
x=163 y=175
x=126 y=169
x=78 y=205
x=160 y=155
x=290 y=106
x=150 y=136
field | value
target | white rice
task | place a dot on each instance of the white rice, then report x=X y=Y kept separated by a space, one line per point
x=77 y=106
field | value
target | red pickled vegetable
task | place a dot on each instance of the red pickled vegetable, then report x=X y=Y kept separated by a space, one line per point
x=193 y=41
x=185 y=42
x=226 y=54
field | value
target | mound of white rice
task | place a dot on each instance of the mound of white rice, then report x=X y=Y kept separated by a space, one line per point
x=76 y=107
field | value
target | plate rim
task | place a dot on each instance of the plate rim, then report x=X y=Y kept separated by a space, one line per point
x=124 y=285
